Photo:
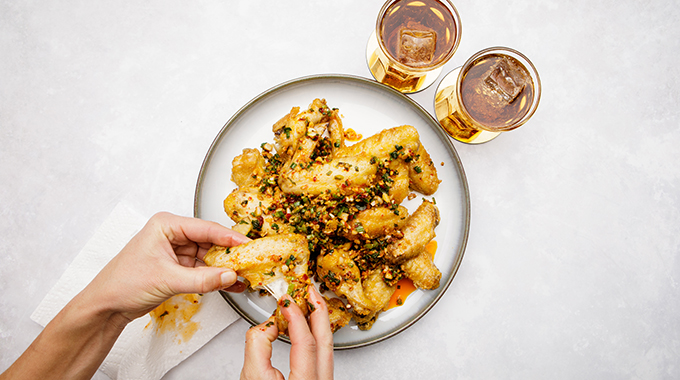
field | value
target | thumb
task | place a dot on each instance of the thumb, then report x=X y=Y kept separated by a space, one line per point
x=202 y=279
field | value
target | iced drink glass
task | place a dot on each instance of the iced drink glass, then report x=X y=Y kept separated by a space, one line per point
x=412 y=40
x=496 y=90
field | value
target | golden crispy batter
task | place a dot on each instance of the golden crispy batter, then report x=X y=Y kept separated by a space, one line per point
x=306 y=145
x=276 y=262
x=408 y=157
x=289 y=131
x=247 y=168
x=383 y=144
x=281 y=123
x=379 y=293
x=263 y=261
x=402 y=182
x=246 y=206
x=340 y=174
x=377 y=221
x=418 y=231
x=422 y=271
x=422 y=173
x=338 y=314
x=337 y=270
x=336 y=131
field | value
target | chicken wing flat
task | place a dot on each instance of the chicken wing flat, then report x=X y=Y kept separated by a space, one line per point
x=307 y=144
x=248 y=208
x=385 y=143
x=422 y=173
x=342 y=175
x=377 y=221
x=276 y=262
x=400 y=143
x=422 y=271
x=418 y=231
x=264 y=261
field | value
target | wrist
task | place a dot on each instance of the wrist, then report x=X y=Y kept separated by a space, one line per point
x=90 y=307
x=73 y=344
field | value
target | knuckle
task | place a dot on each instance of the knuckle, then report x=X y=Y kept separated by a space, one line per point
x=159 y=216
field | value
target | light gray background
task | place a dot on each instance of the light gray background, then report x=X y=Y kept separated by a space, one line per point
x=571 y=268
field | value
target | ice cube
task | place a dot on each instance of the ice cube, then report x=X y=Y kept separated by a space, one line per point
x=505 y=80
x=416 y=47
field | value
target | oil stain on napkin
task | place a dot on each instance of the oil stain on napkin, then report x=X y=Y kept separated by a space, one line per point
x=174 y=316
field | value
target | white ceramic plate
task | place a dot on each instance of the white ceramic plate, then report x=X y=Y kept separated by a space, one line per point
x=367 y=107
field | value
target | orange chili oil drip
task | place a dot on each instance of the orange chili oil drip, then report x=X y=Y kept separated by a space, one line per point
x=405 y=286
x=431 y=247
x=351 y=135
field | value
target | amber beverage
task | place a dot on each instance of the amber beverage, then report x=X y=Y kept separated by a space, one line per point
x=412 y=41
x=496 y=90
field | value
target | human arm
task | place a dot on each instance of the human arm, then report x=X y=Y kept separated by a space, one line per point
x=311 y=352
x=163 y=259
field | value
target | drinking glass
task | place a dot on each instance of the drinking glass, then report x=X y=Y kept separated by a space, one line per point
x=497 y=90
x=412 y=40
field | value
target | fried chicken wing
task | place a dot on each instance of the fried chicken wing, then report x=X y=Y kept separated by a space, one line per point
x=341 y=275
x=422 y=173
x=306 y=146
x=384 y=143
x=247 y=168
x=264 y=261
x=377 y=221
x=338 y=314
x=422 y=271
x=401 y=144
x=340 y=174
x=418 y=231
x=379 y=293
x=276 y=262
x=246 y=206
x=293 y=126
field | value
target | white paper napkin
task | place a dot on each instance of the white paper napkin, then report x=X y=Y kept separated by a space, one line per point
x=143 y=351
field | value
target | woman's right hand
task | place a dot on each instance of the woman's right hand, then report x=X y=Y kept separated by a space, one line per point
x=311 y=351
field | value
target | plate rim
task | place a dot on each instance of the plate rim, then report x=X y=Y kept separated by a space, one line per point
x=370 y=83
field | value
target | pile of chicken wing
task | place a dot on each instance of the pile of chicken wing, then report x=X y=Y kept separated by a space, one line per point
x=320 y=209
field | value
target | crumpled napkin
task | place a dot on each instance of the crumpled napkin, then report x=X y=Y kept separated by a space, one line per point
x=151 y=345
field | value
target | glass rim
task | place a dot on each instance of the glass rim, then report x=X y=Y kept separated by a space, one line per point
x=533 y=73
x=401 y=66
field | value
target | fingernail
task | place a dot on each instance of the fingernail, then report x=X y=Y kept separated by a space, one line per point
x=228 y=278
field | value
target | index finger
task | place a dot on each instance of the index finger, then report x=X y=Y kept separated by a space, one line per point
x=182 y=230
x=302 y=342
x=321 y=329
